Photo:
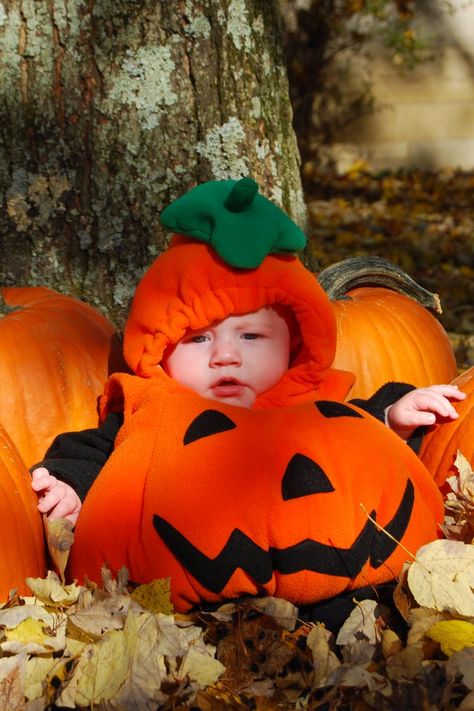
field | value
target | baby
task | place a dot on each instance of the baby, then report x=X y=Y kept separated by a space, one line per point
x=229 y=459
x=233 y=361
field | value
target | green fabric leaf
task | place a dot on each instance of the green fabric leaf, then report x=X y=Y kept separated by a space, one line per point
x=241 y=225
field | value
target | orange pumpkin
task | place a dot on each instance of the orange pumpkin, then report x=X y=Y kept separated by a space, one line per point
x=230 y=501
x=55 y=355
x=383 y=335
x=21 y=532
x=440 y=446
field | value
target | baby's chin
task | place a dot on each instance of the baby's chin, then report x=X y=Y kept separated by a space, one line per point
x=245 y=400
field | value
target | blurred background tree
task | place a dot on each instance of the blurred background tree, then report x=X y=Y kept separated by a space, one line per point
x=383 y=108
x=330 y=46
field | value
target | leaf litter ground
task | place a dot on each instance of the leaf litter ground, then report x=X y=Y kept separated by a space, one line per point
x=422 y=221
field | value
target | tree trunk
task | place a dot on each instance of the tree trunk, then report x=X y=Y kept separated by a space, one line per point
x=109 y=109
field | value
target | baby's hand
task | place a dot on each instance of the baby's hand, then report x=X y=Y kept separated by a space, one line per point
x=424 y=406
x=56 y=498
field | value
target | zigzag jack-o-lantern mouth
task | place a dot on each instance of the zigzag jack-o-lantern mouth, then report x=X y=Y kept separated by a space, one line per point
x=234 y=502
x=241 y=552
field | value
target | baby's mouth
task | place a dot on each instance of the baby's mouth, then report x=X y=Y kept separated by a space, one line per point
x=227 y=387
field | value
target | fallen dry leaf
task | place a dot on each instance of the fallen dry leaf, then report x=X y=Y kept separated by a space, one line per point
x=283 y=612
x=452 y=635
x=325 y=660
x=442 y=577
x=12 y=675
x=459 y=503
x=59 y=539
x=200 y=665
x=38 y=671
x=406 y=664
x=91 y=624
x=361 y=623
x=154 y=596
x=101 y=670
x=422 y=221
x=29 y=636
x=106 y=651
x=50 y=591
x=391 y=643
x=462 y=664
x=420 y=620
x=467 y=704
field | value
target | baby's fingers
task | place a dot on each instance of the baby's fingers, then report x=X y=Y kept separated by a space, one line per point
x=50 y=500
x=66 y=508
x=435 y=400
x=41 y=479
x=448 y=391
x=443 y=408
x=418 y=418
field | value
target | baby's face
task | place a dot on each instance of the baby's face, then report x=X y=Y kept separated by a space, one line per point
x=233 y=360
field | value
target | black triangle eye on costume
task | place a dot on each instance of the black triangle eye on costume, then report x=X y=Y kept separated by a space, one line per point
x=304 y=477
x=207 y=423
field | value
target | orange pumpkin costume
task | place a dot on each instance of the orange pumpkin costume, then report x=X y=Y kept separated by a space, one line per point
x=229 y=501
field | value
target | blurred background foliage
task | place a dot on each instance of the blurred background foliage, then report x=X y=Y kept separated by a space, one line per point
x=420 y=219
x=330 y=46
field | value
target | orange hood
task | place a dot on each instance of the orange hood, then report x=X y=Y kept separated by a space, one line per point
x=189 y=286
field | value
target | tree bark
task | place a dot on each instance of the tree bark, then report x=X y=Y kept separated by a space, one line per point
x=109 y=109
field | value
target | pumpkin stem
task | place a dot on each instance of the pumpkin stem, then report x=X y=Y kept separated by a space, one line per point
x=343 y=276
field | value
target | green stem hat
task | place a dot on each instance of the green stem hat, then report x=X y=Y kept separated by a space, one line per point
x=241 y=225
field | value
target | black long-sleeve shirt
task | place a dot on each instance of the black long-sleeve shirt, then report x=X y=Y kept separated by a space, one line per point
x=77 y=457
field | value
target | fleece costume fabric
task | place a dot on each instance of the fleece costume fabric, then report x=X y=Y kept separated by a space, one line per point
x=279 y=499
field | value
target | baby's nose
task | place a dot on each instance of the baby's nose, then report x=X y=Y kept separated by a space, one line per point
x=225 y=352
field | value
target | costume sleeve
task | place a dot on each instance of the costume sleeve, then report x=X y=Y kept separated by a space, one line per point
x=77 y=457
x=381 y=399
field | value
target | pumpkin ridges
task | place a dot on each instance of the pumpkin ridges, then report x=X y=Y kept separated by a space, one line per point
x=430 y=343
x=376 y=357
x=51 y=382
x=22 y=547
x=383 y=334
x=440 y=445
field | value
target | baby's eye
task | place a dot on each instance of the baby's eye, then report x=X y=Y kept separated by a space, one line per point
x=251 y=336
x=198 y=338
